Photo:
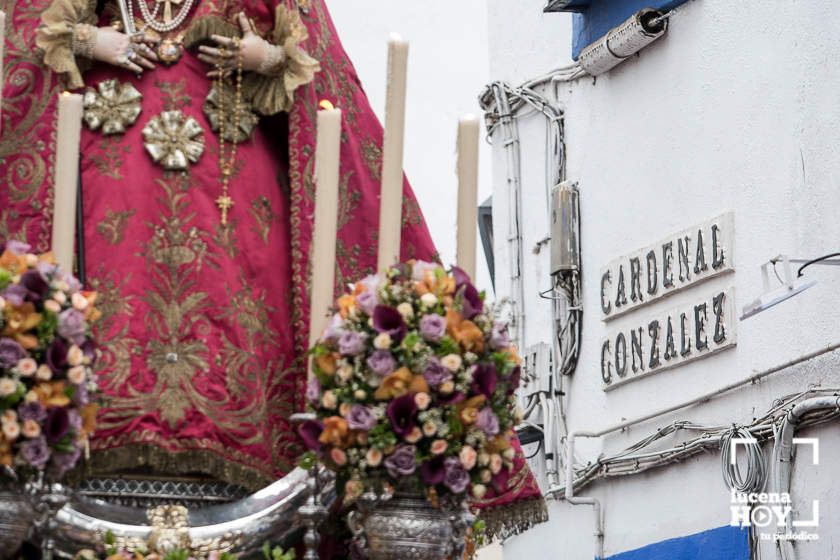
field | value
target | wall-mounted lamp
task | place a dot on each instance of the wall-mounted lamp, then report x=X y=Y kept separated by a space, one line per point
x=791 y=285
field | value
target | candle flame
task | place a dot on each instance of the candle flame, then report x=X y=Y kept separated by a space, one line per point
x=326 y=105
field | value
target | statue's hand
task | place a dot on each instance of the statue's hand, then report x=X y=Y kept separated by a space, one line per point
x=257 y=54
x=121 y=50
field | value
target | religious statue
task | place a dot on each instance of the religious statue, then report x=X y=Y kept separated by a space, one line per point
x=196 y=212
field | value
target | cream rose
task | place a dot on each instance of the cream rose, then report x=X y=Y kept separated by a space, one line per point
x=479 y=491
x=382 y=341
x=414 y=435
x=422 y=400
x=44 y=373
x=495 y=463
x=406 y=310
x=60 y=297
x=75 y=356
x=7 y=387
x=52 y=306
x=452 y=362
x=11 y=430
x=429 y=429
x=467 y=456
x=439 y=447
x=79 y=301
x=485 y=475
x=31 y=429
x=328 y=400
x=76 y=375
x=429 y=299
x=373 y=457
x=27 y=367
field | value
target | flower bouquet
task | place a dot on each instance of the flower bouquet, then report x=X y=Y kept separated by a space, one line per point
x=46 y=355
x=413 y=388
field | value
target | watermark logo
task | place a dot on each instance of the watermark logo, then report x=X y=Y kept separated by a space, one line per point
x=773 y=511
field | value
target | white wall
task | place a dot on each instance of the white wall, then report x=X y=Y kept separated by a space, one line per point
x=722 y=114
x=447 y=70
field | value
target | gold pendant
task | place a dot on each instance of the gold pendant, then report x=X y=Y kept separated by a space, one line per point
x=169 y=51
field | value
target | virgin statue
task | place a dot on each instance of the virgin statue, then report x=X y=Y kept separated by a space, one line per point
x=197 y=211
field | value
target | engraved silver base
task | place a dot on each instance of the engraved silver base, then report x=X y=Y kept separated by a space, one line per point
x=16 y=519
x=408 y=527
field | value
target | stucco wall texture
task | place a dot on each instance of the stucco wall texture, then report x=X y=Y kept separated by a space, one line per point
x=736 y=109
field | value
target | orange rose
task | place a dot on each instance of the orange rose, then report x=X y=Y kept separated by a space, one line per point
x=20 y=319
x=6 y=456
x=346 y=304
x=395 y=385
x=433 y=284
x=327 y=363
x=418 y=384
x=91 y=313
x=466 y=333
x=51 y=394
x=513 y=355
x=88 y=413
x=336 y=432
x=498 y=444
x=16 y=264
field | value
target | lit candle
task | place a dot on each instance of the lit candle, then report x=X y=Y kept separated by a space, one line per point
x=66 y=178
x=468 y=134
x=390 y=200
x=327 y=151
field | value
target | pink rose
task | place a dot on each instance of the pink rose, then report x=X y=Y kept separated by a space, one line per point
x=422 y=400
x=338 y=456
x=468 y=457
x=495 y=463
x=374 y=457
x=439 y=446
x=414 y=435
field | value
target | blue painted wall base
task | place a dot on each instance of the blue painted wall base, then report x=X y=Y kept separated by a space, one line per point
x=723 y=543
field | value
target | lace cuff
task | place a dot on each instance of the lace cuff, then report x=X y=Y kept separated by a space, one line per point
x=56 y=34
x=275 y=92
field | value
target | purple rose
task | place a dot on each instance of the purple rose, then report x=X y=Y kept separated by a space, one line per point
x=313 y=390
x=57 y=356
x=382 y=362
x=10 y=353
x=487 y=421
x=57 y=424
x=351 y=343
x=499 y=337
x=15 y=294
x=63 y=462
x=513 y=380
x=46 y=269
x=36 y=452
x=360 y=418
x=335 y=329
x=18 y=247
x=71 y=325
x=402 y=462
x=484 y=379
x=35 y=285
x=367 y=302
x=80 y=395
x=75 y=421
x=435 y=373
x=471 y=301
x=401 y=412
x=461 y=277
x=32 y=411
x=432 y=471
x=455 y=477
x=432 y=327
x=420 y=268
x=309 y=432
x=386 y=319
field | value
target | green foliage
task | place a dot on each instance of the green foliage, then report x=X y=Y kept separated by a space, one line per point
x=177 y=555
x=381 y=436
x=277 y=553
x=5 y=278
x=307 y=460
x=447 y=346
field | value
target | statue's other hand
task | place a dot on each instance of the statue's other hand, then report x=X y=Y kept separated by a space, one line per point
x=121 y=50
x=257 y=54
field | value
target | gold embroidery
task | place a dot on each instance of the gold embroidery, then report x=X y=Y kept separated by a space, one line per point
x=174 y=94
x=111 y=331
x=372 y=154
x=264 y=217
x=110 y=158
x=112 y=227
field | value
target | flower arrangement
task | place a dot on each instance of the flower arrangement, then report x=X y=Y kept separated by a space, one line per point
x=112 y=552
x=413 y=384
x=46 y=355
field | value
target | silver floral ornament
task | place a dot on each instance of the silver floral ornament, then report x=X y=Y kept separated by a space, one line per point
x=174 y=140
x=112 y=106
x=247 y=120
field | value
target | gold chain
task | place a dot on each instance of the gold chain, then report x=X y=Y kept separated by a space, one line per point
x=225 y=202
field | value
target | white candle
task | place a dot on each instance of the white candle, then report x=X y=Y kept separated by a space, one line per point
x=468 y=134
x=390 y=201
x=327 y=151
x=66 y=178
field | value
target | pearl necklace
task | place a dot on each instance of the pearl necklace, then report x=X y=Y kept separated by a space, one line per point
x=151 y=17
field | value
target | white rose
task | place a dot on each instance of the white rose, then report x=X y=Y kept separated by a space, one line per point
x=406 y=310
x=452 y=362
x=7 y=387
x=79 y=301
x=382 y=341
x=429 y=299
x=44 y=373
x=328 y=400
x=27 y=367
x=77 y=375
x=11 y=430
x=345 y=373
x=60 y=297
x=75 y=356
x=52 y=306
